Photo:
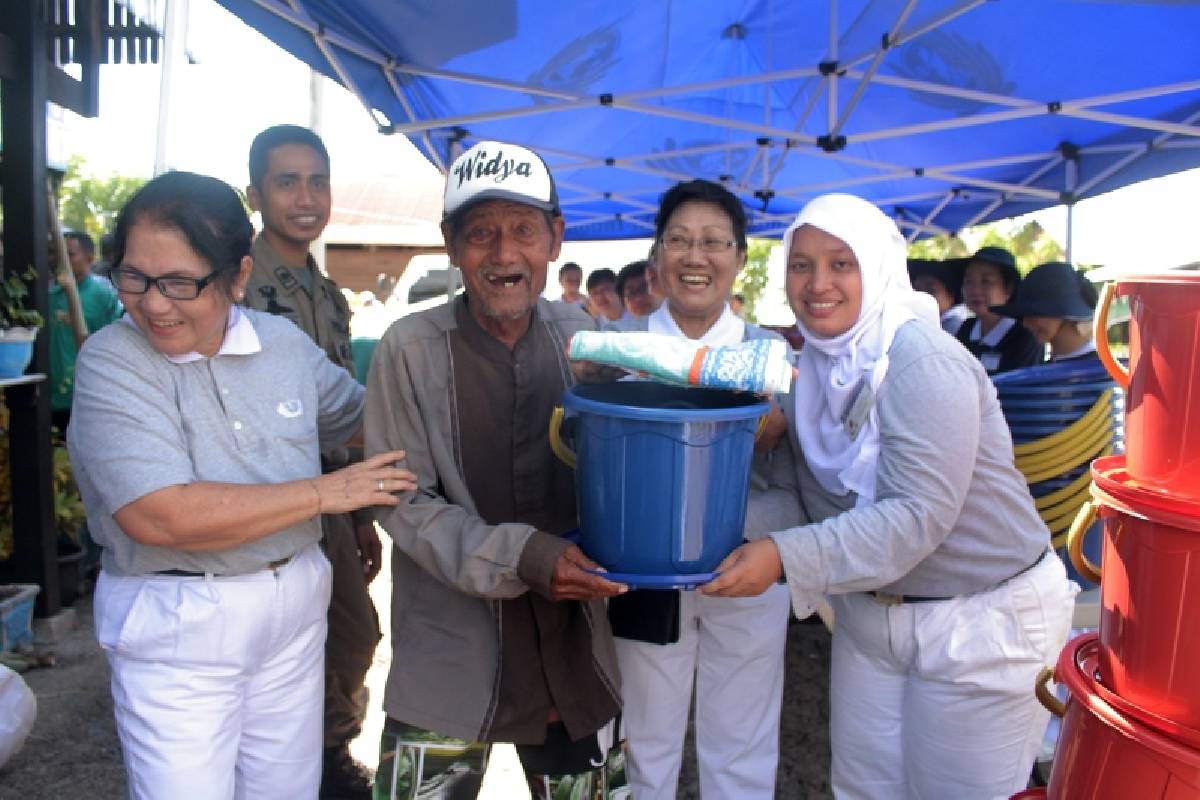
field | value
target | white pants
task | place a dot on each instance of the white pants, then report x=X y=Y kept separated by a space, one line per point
x=734 y=649
x=217 y=682
x=935 y=700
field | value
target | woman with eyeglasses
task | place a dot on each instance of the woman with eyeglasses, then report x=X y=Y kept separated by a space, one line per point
x=924 y=535
x=731 y=649
x=196 y=437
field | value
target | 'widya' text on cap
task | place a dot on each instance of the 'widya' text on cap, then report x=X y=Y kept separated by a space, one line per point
x=497 y=167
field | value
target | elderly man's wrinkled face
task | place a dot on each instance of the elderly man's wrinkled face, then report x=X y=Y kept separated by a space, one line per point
x=503 y=249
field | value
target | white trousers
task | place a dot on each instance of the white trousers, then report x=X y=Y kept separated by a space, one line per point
x=733 y=648
x=935 y=700
x=218 y=682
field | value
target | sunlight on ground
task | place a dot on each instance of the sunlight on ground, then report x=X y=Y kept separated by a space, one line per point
x=503 y=780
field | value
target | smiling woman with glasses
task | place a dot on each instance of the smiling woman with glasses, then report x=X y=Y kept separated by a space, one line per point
x=196 y=438
x=731 y=651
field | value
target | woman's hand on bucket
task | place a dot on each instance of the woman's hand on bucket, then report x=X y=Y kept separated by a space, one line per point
x=572 y=581
x=747 y=571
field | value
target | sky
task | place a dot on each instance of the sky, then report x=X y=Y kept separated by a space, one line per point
x=241 y=83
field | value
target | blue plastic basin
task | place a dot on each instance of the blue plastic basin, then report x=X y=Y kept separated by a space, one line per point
x=662 y=474
x=14 y=358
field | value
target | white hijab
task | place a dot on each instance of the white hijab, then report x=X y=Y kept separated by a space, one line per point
x=832 y=369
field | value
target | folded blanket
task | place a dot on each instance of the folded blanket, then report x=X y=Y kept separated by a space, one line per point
x=757 y=365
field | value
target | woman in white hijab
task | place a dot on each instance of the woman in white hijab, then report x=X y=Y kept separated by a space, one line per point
x=947 y=599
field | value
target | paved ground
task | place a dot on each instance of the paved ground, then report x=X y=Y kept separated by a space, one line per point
x=73 y=750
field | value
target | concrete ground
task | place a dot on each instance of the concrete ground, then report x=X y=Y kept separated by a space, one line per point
x=73 y=750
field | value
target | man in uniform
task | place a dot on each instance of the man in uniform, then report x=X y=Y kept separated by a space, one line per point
x=500 y=632
x=289 y=186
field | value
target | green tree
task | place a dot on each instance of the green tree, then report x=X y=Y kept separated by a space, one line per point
x=1029 y=243
x=90 y=203
x=752 y=280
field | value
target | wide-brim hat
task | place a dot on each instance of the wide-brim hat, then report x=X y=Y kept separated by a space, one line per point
x=999 y=257
x=1050 y=290
x=499 y=171
x=948 y=273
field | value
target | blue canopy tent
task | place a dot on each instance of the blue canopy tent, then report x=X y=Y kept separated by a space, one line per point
x=946 y=113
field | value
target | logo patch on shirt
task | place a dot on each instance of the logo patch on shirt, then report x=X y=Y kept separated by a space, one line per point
x=289 y=409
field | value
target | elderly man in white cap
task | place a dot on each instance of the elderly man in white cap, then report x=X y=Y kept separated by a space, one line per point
x=498 y=630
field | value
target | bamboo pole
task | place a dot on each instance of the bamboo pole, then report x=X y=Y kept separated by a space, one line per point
x=66 y=278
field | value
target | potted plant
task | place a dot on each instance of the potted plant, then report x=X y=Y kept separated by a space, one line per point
x=19 y=324
x=69 y=513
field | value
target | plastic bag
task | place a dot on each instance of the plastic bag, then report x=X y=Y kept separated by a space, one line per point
x=18 y=710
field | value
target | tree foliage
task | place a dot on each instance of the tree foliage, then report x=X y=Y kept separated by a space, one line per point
x=752 y=281
x=90 y=203
x=1029 y=243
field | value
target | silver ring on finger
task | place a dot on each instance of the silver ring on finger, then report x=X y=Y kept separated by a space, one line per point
x=381 y=484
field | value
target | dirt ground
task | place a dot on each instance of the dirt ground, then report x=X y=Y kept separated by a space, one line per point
x=73 y=750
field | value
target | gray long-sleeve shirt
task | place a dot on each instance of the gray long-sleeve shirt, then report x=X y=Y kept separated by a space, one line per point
x=451 y=569
x=952 y=514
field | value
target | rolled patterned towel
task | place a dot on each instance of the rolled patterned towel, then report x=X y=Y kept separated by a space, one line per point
x=757 y=365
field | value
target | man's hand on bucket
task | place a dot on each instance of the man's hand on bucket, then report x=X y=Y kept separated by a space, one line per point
x=747 y=571
x=571 y=581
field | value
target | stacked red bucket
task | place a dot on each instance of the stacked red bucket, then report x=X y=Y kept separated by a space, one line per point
x=1131 y=728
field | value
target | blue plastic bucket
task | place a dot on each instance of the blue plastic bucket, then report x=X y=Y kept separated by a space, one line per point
x=662 y=474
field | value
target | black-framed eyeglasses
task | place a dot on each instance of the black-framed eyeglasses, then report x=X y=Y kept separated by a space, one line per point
x=175 y=288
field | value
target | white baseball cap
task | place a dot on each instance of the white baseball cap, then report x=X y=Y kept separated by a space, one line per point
x=499 y=171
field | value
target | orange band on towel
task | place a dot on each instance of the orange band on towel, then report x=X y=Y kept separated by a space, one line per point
x=697 y=363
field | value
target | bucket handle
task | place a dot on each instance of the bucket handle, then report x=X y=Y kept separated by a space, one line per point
x=1045 y=696
x=1079 y=529
x=1100 y=336
x=564 y=453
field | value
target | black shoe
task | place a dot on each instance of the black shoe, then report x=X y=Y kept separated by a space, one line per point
x=344 y=778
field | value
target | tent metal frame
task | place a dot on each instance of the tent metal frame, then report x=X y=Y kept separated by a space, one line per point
x=861 y=70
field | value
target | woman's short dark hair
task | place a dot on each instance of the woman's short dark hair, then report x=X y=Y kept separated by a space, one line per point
x=208 y=213
x=704 y=192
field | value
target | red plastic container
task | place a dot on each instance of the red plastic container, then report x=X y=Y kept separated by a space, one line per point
x=1106 y=755
x=1162 y=426
x=1149 y=598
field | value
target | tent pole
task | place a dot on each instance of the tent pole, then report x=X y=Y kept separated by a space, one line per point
x=176 y=14
x=1070 y=233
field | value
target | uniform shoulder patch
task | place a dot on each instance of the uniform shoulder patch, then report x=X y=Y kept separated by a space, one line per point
x=286 y=278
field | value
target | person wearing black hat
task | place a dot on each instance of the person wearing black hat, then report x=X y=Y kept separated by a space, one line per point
x=1056 y=304
x=990 y=278
x=943 y=281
